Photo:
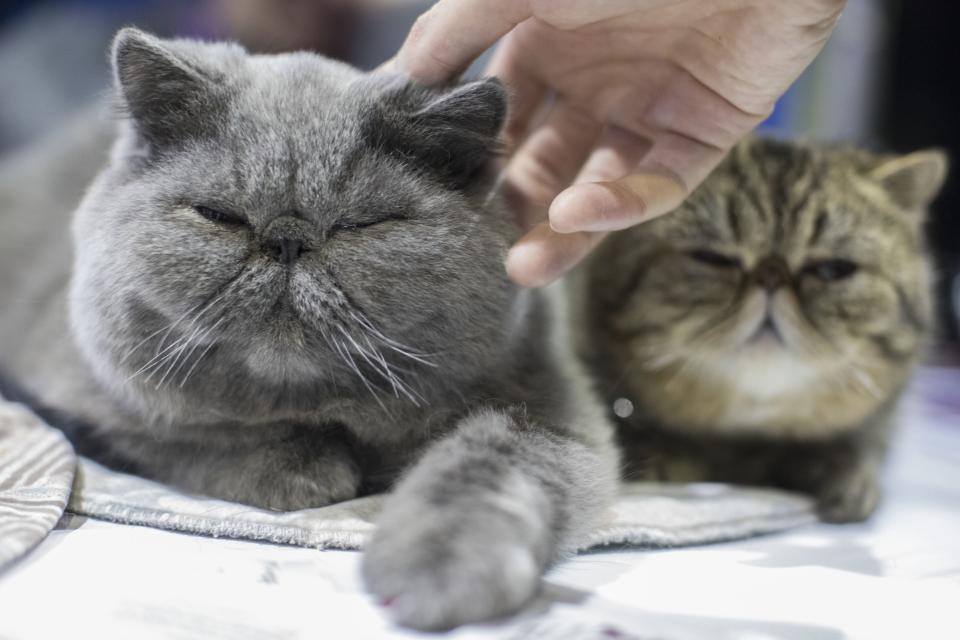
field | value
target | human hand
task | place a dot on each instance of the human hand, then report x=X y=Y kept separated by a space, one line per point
x=632 y=102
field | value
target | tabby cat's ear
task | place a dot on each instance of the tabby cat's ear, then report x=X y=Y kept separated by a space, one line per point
x=163 y=92
x=912 y=181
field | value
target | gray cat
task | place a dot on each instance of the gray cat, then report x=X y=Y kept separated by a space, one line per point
x=286 y=289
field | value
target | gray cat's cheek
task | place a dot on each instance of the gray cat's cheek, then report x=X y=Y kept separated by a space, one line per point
x=195 y=269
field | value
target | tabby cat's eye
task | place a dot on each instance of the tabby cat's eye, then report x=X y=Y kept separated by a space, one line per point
x=715 y=259
x=220 y=217
x=831 y=270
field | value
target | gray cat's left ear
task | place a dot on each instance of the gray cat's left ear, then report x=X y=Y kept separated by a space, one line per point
x=456 y=131
x=478 y=108
x=913 y=180
x=164 y=92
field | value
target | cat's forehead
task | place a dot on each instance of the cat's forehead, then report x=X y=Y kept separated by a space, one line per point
x=292 y=128
x=299 y=97
x=775 y=197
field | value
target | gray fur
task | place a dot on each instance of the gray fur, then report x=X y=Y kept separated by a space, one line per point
x=387 y=337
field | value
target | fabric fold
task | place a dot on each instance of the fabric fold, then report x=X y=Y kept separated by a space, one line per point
x=37 y=467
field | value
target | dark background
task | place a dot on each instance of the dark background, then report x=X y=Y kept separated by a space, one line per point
x=889 y=78
x=921 y=108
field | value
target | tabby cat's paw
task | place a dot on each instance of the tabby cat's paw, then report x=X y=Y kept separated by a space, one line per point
x=433 y=579
x=849 y=497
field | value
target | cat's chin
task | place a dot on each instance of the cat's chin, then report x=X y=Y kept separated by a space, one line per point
x=766 y=368
x=283 y=362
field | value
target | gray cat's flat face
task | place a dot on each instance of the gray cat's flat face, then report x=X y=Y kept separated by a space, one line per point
x=285 y=221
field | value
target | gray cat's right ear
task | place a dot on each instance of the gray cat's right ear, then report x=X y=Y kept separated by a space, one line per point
x=912 y=181
x=163 y=93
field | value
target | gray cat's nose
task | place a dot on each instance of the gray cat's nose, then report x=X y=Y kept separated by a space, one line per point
x=286 y=238
x=284 y=250
x=771 y=273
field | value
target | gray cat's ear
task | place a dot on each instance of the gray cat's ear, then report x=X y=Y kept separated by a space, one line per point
x=451 y=133
x=164 y=93
x=912 y=181
x=476 y=108
x=459 y=128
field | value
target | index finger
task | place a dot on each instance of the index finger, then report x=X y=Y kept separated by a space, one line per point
x=663 y=180
x=453 y=33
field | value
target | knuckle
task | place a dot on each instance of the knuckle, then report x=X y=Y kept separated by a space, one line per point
x=540 y=178
x=633 y=203
x=421 y=28
x=429 y=53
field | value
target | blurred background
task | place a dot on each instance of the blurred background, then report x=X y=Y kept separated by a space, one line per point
x=888 y=78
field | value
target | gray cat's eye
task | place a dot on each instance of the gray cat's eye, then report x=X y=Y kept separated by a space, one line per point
x=715 y=259
x=357 y=225
x=220 y=217
x=832 y=270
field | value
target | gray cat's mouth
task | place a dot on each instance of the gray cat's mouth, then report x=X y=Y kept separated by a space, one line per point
x=283 y=306
x=284 y=319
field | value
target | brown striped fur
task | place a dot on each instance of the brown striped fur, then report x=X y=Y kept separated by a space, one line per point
x=824 y=242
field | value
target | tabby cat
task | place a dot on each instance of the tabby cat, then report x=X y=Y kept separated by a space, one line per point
x=762 y=333
x=286 y=288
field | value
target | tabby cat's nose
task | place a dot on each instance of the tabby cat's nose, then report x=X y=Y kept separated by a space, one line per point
x=284 y=250
x=771 y=273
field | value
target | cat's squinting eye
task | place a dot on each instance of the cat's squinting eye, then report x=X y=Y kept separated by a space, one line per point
x=356 y=226
x=832 y=270
x=220 y=217
x=715 y=259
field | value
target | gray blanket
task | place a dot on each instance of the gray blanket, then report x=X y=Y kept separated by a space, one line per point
x=37 y=482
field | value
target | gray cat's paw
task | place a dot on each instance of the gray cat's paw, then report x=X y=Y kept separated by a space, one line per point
x=295 y=475
x=327 y=481
x=849 y=497
x=431 y=578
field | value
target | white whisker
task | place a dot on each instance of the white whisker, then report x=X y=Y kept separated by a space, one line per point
x=163 y=356
x=400 y=348
x=347 y=358
x=188 y=344
x=391 y=370
x=202 y=353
